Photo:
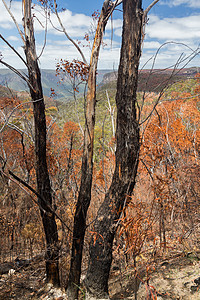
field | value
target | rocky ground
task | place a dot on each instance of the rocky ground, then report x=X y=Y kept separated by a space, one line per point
x=173 y=278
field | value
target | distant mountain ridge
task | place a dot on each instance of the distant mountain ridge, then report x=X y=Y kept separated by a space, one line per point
x=154 y=80
x=149 y=80
x=49 y=81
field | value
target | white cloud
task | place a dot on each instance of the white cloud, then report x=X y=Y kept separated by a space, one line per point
x=5 y=25
x=151 y=45
x=75 y=24
x=118 y=32
x=158 y=31
x=109 y=59
x=114 y=24
x=168 y=55
x=189 y=3
x=6 y=21
x=13 y=38
x=10 y=57
x=53 y=53
x=108 y=43
x=165 y=60
x=186 y=28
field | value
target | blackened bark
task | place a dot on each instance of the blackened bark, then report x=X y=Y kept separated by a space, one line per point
x=84 y=197
x=127 y=152
x=42 y=174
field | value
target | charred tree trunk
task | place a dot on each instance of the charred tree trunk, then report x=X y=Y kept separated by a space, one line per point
x=127 y=152
x=84 y=197
x=43 y=181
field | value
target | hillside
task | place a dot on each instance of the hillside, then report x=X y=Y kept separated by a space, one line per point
x=154 y=80
x=50 y=81
x=163 y=255
x=150 y=81
x=175 y=278
x=4 y=91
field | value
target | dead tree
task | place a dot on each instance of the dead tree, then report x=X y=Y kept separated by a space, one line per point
x=84 y=197
x=127 y=152
x=42 y=174
x=43 y=182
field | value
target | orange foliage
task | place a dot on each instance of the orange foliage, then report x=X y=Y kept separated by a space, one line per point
x=64 y=156
x=75 y=70
x=168 y=190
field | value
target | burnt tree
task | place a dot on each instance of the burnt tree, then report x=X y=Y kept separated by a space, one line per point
x=126 y=156
x=84 y=196
x=42 y=174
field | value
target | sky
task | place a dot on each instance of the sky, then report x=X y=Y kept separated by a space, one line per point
x=172 y=34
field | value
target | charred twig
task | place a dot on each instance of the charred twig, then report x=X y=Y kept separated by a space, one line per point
x=39 y=196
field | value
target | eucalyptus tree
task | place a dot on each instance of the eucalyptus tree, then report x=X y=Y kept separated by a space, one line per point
x=44 y=191
x=84 y=197
x=127 y=151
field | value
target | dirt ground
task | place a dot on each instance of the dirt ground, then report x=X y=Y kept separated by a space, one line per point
x=174 y=278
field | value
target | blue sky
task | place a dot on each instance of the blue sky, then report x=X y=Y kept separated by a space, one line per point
x=176 y=21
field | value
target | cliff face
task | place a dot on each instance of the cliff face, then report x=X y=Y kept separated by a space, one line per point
x=155 y=80
x=149 y=80
x=109 y=77
x=64 y=89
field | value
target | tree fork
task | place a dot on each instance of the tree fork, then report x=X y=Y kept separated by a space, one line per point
x=84 y=197
x=127 y=152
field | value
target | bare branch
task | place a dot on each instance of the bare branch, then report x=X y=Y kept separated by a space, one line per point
x=23 y=76
x=11 y=113
x=14 y=20
x=117 y=2
x=67 y=35
x=39 y=197
x=13 y=50
x=111 y=111
x=109 y=8
x=45 y=37
x=149 y=8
